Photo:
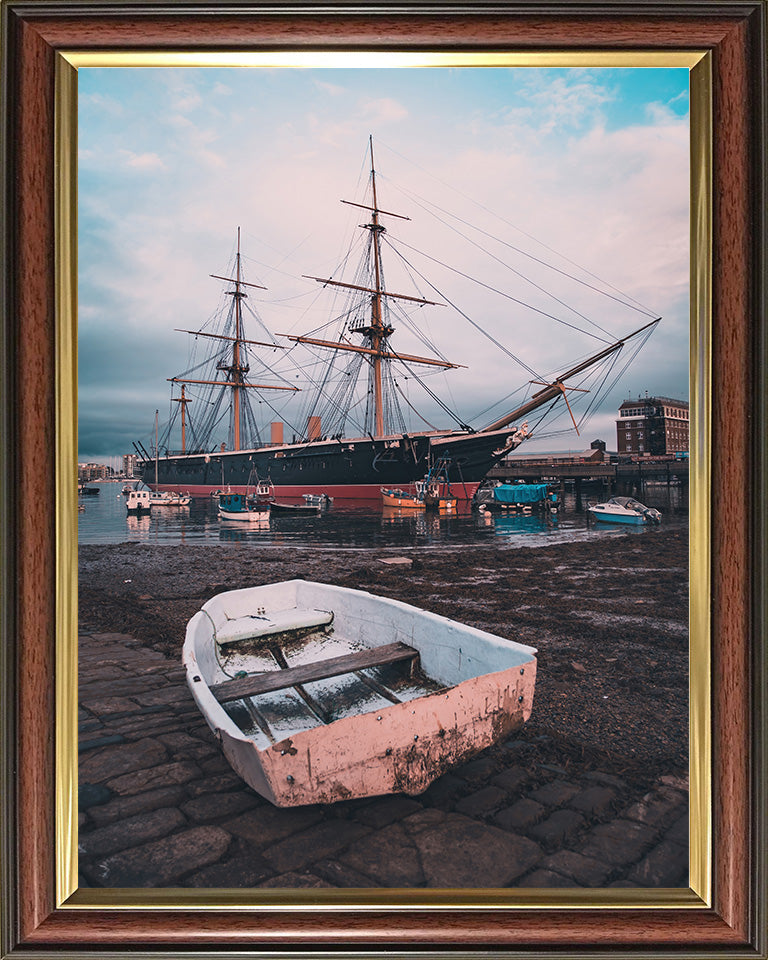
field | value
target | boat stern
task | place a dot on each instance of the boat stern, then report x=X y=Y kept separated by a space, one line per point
x=400 y=749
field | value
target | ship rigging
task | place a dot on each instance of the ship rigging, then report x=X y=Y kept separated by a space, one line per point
x=325 y=455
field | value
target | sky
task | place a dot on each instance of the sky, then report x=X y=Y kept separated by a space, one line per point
x=530 y=191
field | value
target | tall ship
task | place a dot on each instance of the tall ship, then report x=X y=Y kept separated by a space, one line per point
x=351 y=438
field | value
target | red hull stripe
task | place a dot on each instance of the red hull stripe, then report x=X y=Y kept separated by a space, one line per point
x=369 y=491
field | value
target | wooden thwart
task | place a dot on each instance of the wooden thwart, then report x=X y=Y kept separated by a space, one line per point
x=307 y=672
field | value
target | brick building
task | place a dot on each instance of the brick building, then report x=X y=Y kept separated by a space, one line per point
x=652 y=426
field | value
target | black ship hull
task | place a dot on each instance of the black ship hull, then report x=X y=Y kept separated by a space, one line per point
x=345 y=469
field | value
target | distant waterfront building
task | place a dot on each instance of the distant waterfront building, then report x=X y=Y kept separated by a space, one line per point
x=652 y=426
x=93 y=471
x=129 y=464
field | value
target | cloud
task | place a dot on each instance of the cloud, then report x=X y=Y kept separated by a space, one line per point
x=142 y=161
x=332 y=89
x=383 y=110
x=537 y=160
x=102 y=103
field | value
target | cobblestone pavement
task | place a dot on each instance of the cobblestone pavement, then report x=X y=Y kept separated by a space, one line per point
x=160 y=807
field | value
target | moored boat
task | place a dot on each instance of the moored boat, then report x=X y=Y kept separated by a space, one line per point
x=402 y=499
x=318 y=499
x=138 y=501
x=520 y=497
x=624 y=510
x=319 y=693
x=237 y=506
x=166 y=498
x=296 y=509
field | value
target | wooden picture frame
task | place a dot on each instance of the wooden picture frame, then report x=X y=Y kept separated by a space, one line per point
x=732 y=36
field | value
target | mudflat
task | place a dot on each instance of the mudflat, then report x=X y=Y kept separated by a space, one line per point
x=609 y=619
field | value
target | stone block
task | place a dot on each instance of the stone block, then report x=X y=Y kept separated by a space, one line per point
x=464 y=853
x=554 y=768
x=584 y=870
x=554 y=794
x=183 y=747
x=215 y=806
x=476 y=770
x=511 y=779
x=340 y=874
x=388 y=856
x=423 y=820
x=444 y=791
x=556 y=829
x=237 y=873
x=164 y=775
x=678 y=832
x=619 y=842
x=267 y=825
x=608 y=779
x=163 y=696
x=320 y=841
x=520 y=815
x=121 y=808
x=546 y=879
x=112 y=761
x=386 y=810
x=666 y=865
x=656 y=810
x=222 y=783
x=594 y=801
x=91 y=795
x=105 y=706
x=131 y=832
x=482 y=803
x=164 y=862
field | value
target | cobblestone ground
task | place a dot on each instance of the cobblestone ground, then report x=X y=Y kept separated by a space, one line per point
x=160 y=807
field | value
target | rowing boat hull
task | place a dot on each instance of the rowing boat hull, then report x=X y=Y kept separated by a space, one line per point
x=402 y=747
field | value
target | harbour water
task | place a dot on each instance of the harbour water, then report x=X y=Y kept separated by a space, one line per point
x=363 y=524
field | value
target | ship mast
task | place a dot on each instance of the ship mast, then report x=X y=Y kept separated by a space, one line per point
x=183 y=401
x=377 y=332
x=557 y=387
x=238 y=368
x=377 y=326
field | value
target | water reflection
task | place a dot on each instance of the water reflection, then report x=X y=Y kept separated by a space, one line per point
x=359 y=524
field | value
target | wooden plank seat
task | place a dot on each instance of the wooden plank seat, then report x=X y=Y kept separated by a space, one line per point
x=264 y=625
x=307 y=672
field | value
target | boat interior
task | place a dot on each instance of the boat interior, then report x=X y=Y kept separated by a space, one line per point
x=279 y=663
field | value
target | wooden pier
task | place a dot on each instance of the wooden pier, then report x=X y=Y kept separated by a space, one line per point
x=613 y=475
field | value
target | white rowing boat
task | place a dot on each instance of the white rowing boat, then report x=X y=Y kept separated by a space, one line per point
x=319 y=693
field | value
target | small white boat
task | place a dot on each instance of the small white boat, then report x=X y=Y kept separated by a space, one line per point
x=164 y=498
x=317 y=499
x=237 y=506
x=138 y=501
x=624 y=510
x=319 y=693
